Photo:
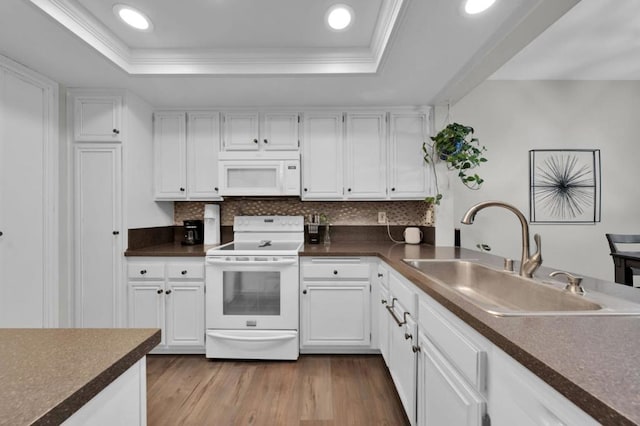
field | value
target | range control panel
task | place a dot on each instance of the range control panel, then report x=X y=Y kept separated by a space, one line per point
x=268 y=224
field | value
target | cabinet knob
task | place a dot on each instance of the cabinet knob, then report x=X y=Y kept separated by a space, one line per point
x=306 y=189
x=335 y=272
x=380 y=275
x=304 y=291
x=415 y=349
x=255 y=141
x=116 y=232
x=216 y=189
x=143 y=271
x=168 y=291
x=383 y=301
x=407 y=336
x=393 y=189
x=184 y=272
x=266 y=141
x=159 y=291
x=181 y=189
x=348 y=189
x=116 y=131
x=1 y=234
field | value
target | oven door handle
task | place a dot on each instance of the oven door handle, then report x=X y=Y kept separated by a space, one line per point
x=250 y=262
x=287 y=336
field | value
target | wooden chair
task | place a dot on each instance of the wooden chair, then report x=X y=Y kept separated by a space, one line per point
x=615 y=239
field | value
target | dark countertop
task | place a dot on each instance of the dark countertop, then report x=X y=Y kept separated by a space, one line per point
x=48 y=374
x=170 y=250
x=590 y=360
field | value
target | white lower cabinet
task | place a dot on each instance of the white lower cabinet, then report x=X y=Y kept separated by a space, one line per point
x=383 y=314
x=335 y=305
x=403 y=334
x=169 y=294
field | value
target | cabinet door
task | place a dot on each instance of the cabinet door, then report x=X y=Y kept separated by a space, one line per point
x=403 y=361
x=383 y=324
x=98 y=118
x=335 y=313
x=28 y=247
x=185 y=313
x=279 y=131
x=203 y=146
x=366 y=160
x=322 y=153
x=169 y=155
x=240 y=131
x=443 y=396
x=408 y=173
x=98 y=245
x=146 y=306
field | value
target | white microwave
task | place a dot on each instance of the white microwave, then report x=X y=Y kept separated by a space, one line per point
x=247 y=174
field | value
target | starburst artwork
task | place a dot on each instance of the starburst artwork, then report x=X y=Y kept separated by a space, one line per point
x=564 y=186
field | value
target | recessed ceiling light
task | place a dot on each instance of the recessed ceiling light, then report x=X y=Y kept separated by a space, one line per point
x=132 y=17
x=339 y=17
x=473 y=7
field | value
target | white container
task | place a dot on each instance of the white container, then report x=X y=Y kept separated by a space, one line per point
x=211 y=224
x=411 y=235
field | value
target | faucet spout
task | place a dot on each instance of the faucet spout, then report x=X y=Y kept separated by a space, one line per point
x=528 y=264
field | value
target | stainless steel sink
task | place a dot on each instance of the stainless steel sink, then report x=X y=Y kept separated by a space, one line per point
x=505 y=294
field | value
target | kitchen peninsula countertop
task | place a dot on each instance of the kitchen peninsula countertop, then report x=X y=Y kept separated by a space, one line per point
x=48 y=374
x=591 y=360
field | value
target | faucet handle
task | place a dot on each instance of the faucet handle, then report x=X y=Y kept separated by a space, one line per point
x=573 y=282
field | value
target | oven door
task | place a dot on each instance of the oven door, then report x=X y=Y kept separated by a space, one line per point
x=252 y=292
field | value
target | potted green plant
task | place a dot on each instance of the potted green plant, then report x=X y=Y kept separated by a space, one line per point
x=456 y=146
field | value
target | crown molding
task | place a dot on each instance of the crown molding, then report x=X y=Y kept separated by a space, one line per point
x=83 y=24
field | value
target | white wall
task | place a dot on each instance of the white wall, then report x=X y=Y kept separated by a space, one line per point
x=141 y=210
x=512 y=117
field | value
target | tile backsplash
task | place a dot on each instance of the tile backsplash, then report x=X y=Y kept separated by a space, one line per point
x=338 y=212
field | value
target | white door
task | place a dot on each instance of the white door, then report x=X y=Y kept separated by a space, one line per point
x=203 y=146
x=335 y=313
x=443 y=395
x=169 y=155
x=98 y=118
x=28 y=218
x=408 y=173
x=98 y=243
x=241 y=131
x=279 y=131
x=383 y=323
x=403 y=361
x=147 y=306
x=322 y=155
x=366 y=159
x=185 y=313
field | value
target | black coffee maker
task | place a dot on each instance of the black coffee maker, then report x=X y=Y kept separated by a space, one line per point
x=193 y=232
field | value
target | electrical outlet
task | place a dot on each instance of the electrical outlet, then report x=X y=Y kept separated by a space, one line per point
x=382 y=217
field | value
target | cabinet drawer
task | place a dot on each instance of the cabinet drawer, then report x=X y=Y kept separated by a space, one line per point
x=463 y=354
x=336 y=271
x=145 y=271
x=185 y=271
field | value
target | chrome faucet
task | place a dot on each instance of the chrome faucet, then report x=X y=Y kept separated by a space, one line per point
x=528 y=264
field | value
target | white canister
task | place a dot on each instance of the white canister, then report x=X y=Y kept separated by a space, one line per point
x=412 y=235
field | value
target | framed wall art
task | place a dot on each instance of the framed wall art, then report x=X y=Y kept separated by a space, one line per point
x=564 y=185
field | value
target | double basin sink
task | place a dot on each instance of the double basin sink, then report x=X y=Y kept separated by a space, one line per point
x=503 y=293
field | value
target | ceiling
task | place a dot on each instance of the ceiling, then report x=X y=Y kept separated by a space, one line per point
x=249 y=53
x=596 y=40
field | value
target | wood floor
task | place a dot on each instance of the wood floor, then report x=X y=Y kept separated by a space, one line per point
x=327 y=390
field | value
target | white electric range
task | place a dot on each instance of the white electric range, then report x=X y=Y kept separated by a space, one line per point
x=252 y=290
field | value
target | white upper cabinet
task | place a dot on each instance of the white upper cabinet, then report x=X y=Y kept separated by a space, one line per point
x=186 y=148
x=170 y=147
x=253 y=131
x=408 y=173
x=322 y=156
x=365 y=146
x=203 y=147
x=98 y=118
